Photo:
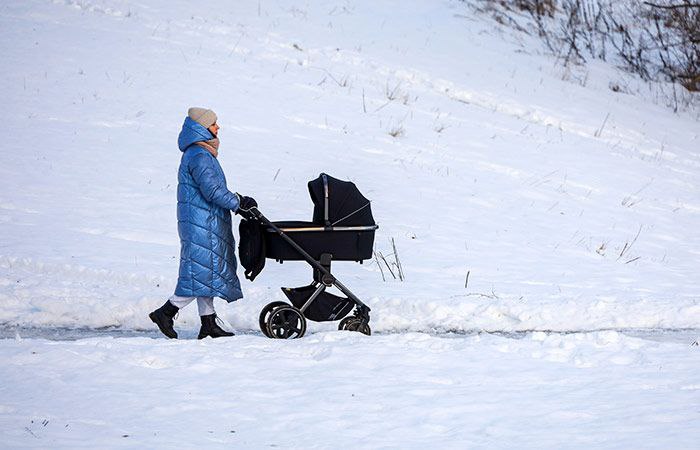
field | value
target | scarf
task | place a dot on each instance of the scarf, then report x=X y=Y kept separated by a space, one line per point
x=212 y=146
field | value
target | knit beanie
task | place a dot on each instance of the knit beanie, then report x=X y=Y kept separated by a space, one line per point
x=204 y=117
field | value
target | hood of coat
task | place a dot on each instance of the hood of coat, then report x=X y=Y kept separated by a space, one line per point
x=191 y=133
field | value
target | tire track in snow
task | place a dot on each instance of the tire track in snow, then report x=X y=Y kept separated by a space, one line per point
x=689 y=336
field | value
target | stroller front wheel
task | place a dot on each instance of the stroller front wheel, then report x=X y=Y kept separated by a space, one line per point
x=286 y=322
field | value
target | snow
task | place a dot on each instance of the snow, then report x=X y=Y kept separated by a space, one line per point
x=574 y=209
x=344 y=390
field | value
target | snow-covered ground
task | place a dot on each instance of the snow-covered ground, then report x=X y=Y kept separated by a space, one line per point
x=344 y=390
x=572 y=208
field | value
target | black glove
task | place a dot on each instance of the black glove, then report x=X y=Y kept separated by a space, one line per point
x=246 y=203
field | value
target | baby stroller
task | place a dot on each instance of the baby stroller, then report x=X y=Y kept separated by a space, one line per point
x=342 y=230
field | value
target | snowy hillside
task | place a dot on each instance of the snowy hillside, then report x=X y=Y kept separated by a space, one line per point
x=518 y=201
x=533 y=185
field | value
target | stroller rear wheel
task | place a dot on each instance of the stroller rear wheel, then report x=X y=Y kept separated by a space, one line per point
x=286 y=322
x=265 y=314
x=354 y=323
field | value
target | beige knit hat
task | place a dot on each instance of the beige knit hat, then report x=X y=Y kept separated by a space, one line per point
x=203 y=116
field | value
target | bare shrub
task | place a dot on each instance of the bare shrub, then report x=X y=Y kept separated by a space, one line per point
x=677 y=32
x=657 y=41
x=397 y=131
x=538 y=7
x=394 y=267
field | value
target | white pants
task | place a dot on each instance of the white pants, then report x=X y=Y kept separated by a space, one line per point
x=205 y=304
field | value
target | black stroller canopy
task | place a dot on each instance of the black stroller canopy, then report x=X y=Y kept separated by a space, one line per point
x=339 y=203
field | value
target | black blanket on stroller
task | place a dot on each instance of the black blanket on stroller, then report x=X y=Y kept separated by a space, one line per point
x=251 y=247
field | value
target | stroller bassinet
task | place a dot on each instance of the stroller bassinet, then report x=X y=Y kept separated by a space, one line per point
x=342 y=225
x=342 y=229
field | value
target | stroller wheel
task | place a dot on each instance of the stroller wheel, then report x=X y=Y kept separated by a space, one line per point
x=286 y=322
x=354 y=323
x=265 y=314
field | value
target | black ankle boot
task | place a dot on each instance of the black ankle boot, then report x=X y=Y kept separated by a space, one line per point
x=211 y=328
x=163 y=317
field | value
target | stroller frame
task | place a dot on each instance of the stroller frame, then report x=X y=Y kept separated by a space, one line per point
x=281 y=320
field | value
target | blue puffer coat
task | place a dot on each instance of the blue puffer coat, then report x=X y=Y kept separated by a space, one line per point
x=204 y=204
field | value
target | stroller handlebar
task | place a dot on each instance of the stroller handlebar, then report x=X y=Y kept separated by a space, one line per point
x=255 y=212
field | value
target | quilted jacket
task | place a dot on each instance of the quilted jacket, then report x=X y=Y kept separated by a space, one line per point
x=204 y=204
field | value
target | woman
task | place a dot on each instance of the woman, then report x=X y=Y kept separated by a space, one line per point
x=207 y=253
